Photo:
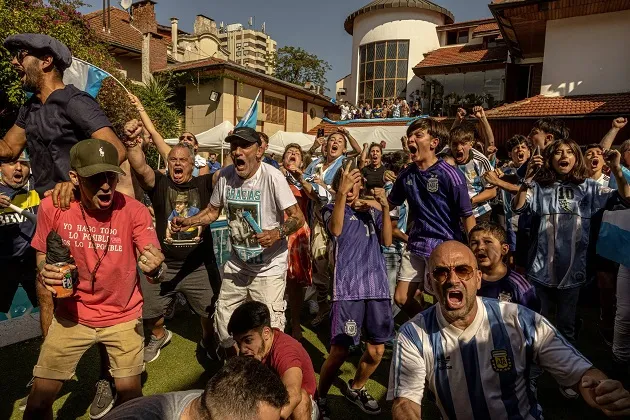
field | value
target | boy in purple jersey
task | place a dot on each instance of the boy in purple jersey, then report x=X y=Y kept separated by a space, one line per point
x=437 y=196
x=360 y=298
x=488 y=241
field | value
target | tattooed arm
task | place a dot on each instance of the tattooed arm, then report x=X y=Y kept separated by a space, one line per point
x=295 y=220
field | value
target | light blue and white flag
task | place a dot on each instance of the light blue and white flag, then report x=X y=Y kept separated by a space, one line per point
x=251 y=116
x=85 y=76
x=613 y=241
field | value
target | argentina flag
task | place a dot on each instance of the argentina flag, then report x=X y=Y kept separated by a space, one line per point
x=251 y=116
x=85 y=76
x=613 y=241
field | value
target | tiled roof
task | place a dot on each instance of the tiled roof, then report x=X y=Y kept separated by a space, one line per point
x=486 y=27
x=121 y=30
x=389 y=4
x=121 y=33
x=463 y=54
x=542 y=106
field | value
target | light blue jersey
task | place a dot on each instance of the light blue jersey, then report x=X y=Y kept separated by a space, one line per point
x=327 y=176
x=560 y=231
x=473 y=171
x=398 y=214
x=482 y=372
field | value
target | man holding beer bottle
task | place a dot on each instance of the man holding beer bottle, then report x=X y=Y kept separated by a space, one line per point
x=87 y=257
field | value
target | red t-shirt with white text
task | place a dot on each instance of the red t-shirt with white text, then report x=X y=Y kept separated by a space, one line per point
x=116 y=297
x=286 y=353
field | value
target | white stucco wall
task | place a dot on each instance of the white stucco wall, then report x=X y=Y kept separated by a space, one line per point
x=416 y=25
x=587 y=55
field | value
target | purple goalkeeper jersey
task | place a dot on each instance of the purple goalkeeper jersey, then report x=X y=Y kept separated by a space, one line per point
x=359 y=264
x=438 y=199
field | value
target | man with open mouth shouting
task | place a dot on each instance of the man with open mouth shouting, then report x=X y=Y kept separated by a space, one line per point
x=256 y=196
x=17 y=258
x=109 y=235
x=55 y=118
x=475 y=353
x=438 y=201
x=189 y=254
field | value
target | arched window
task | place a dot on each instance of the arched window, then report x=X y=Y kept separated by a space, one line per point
x=383 y=69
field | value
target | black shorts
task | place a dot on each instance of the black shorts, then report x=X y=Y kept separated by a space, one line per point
x=15 y=272
x=199 y=286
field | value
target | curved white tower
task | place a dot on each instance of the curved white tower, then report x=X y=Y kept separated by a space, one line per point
x=389 y=37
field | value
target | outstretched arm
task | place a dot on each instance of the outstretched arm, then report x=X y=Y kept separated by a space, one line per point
x=135 y=155
x=609 y=138
x=486 y=129
x=459 y=117
x=163 y=148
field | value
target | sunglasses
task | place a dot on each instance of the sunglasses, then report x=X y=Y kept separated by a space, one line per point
x=20 y=55
x=462 y=271
x=186 y=138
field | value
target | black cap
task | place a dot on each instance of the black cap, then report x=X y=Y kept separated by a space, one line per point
x=245 y=133
x=40 y=43
x=92 y=156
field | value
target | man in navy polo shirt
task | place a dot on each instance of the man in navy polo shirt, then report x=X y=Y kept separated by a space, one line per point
x=55 y=118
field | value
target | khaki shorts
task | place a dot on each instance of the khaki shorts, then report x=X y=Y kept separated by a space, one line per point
x=237 y=289
x=414 y=269
x=67 y=341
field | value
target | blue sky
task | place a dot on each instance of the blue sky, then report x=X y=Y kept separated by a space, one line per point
x=315 y=26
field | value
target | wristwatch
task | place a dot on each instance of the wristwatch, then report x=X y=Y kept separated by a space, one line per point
x=156 y=278
x=281 y=232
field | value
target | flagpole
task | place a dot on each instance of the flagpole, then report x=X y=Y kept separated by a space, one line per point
x=106 y=72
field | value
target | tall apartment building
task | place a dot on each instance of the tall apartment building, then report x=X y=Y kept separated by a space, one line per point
x=248 y=47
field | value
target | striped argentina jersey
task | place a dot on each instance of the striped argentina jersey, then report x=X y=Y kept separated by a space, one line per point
x=473 y=171
x=483 y=371
x=561 y=222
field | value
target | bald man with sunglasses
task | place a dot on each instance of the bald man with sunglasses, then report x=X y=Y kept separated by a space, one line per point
x=475 y=353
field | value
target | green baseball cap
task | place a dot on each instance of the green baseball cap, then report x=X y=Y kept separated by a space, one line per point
x=92 y=156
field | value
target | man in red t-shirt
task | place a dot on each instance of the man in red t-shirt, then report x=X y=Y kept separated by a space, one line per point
x=107 y=234
x=250 y=326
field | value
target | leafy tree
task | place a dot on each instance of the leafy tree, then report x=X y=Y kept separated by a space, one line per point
x=294 y=65
x=60 y=19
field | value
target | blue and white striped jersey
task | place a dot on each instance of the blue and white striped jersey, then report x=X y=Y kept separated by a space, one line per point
x=561 y=215
x=473 y=172
x=483 y=371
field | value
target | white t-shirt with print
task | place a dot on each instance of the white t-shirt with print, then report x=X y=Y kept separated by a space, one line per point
x=265 y=196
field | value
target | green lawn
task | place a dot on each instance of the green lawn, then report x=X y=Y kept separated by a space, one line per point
x=178 y=369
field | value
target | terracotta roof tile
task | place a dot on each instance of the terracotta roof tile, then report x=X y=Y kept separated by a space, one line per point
x=542 y=106
x=121 y=30
x=486 y=27
x=463 y=54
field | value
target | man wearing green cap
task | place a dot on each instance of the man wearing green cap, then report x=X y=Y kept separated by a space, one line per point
x=108 y=234
x=56 y=117
x=17 y=258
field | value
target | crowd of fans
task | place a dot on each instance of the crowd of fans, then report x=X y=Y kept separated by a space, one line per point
x=391 y=108
x=477 y=249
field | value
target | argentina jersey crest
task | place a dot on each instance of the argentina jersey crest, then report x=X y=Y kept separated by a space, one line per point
x=433 y=184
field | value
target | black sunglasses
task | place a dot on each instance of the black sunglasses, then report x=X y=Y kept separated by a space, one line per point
x=186 y=138
x=462 y=271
